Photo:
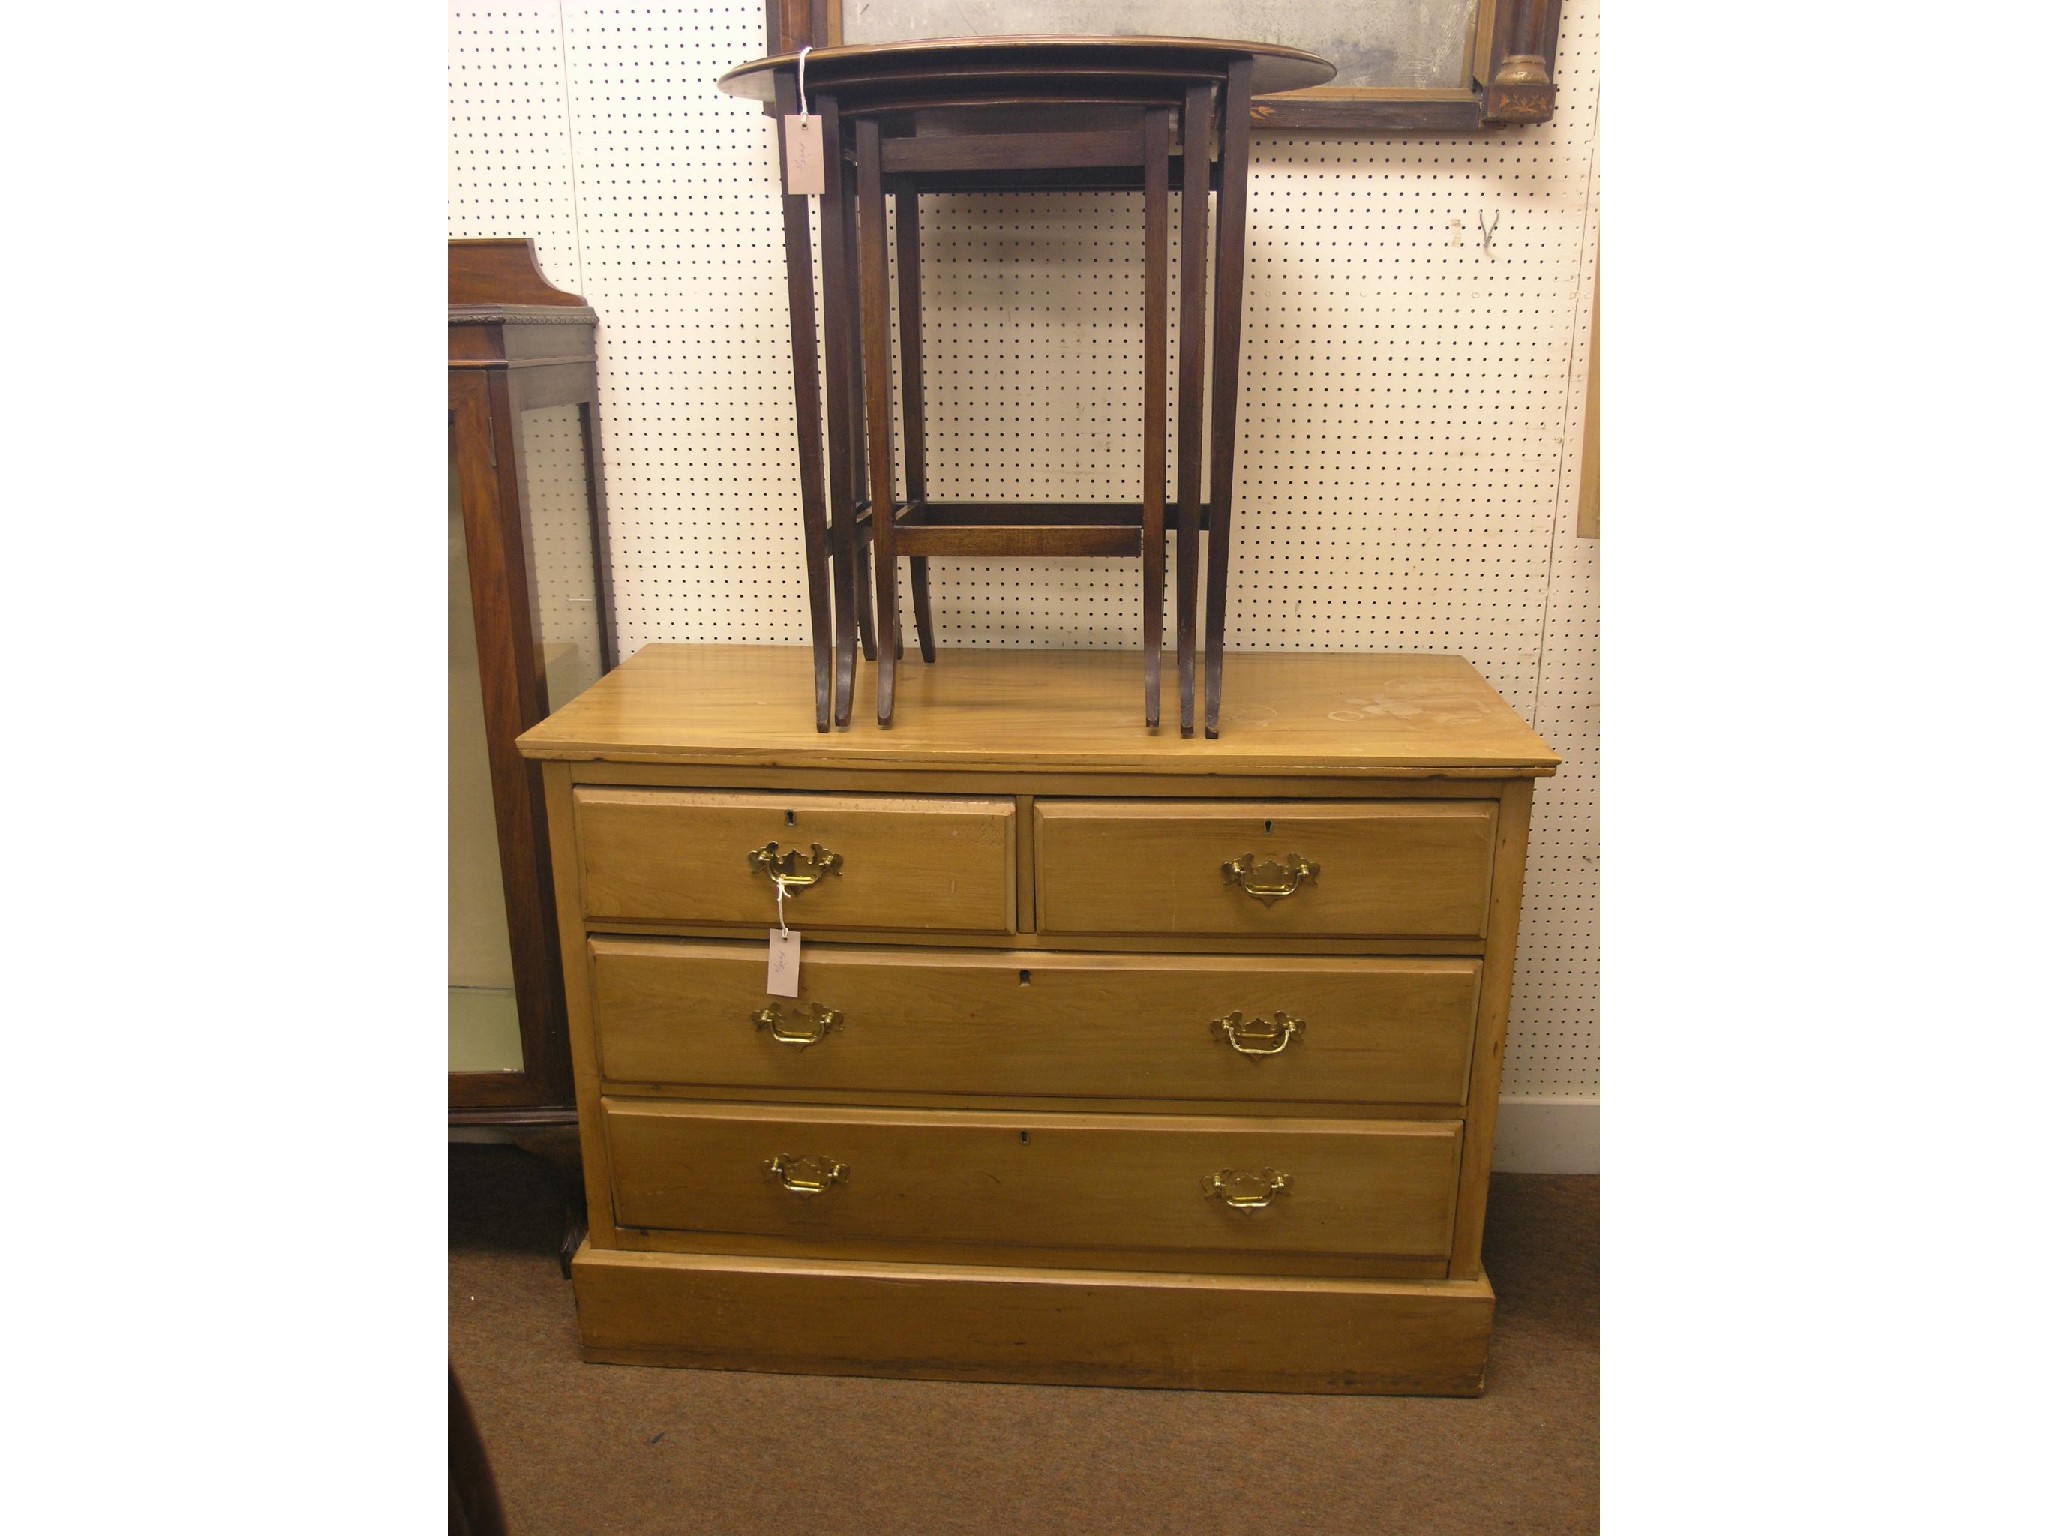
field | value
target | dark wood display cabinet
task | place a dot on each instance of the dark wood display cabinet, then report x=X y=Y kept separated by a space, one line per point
x=529 y=628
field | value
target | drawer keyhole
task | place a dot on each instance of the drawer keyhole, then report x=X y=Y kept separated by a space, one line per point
x=1023 y=978
x=1269 y=826
x=789 y=820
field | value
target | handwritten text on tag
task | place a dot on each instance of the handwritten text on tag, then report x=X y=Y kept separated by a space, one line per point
x=803 y=156
x=783 y=946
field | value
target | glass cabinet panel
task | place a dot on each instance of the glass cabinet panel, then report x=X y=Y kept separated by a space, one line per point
x=483 y=1010
x=528 y=632
x=561 y=547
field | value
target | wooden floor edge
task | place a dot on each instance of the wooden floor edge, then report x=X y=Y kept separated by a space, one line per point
x=951 y=1322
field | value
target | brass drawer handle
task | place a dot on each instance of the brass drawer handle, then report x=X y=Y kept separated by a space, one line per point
x=1258 y=1038
x=804 y=1175
x=1267 y=880
x=792 y=868
x=1244 y=1189
x=801 y=1026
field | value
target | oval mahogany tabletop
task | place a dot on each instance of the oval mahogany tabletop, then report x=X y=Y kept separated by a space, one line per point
x=1275 y=66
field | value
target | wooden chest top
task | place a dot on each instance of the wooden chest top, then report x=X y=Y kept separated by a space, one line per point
x=1285 y=712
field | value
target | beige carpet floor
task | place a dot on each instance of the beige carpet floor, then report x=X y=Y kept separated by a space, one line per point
x=581 y=1448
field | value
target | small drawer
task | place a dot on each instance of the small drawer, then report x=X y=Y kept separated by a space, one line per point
x=1325 y=1187
x=850 y=861
x=879 y=1020
x=1394 y=869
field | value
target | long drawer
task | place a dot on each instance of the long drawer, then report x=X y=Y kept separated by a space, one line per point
x=1401 y=868
x=1383 y=1187
x=928 y=862
x=677 y=1011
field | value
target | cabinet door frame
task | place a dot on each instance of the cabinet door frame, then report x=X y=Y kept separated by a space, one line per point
x=517 y=343
x=514 y=697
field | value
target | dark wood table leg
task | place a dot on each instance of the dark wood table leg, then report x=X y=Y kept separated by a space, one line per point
x=864 y=586
x=1152 y=554
x=796 y=249
x=910 y=323
x=1194 y=326
x=1230 y=209
x=921 y=607
x=881 y=413
x=863 y=567
x=840 y=394
x=864 y=590
x=600 y=532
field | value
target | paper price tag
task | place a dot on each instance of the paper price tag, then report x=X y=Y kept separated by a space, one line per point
x=803 y=150
x=783 y=947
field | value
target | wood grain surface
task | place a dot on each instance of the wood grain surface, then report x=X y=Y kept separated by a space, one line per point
x=1491 y=1038
x=1354 y=713
x=1037 y=1180
x=673 y=1011
x=1025 y=954
x=913 y=862
x=989 y=1323
x=1405 y=868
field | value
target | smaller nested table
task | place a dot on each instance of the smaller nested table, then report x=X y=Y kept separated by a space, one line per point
x=1109 y=114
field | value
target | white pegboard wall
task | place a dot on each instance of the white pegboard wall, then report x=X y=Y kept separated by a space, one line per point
x=509 y=165
x=1555 y=1039
x=1408 y=423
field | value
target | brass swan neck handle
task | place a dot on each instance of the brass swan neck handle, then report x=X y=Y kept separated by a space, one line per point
x=1257 y=1038
x=1246 y=1189
x=804 y=1175
x=1266 y=880
x=791 y=868
x=799 y=1024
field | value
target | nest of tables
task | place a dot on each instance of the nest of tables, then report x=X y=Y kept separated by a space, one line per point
x=1157 y=116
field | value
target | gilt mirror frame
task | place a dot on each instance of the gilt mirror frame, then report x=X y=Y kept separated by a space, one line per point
x=1511 y=78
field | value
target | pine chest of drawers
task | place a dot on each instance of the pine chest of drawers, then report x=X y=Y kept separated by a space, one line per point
x=1115 y=1057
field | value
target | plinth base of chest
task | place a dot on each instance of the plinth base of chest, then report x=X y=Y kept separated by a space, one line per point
x=957 y=1322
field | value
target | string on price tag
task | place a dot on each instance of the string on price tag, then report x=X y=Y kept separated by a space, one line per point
x=784 y=946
